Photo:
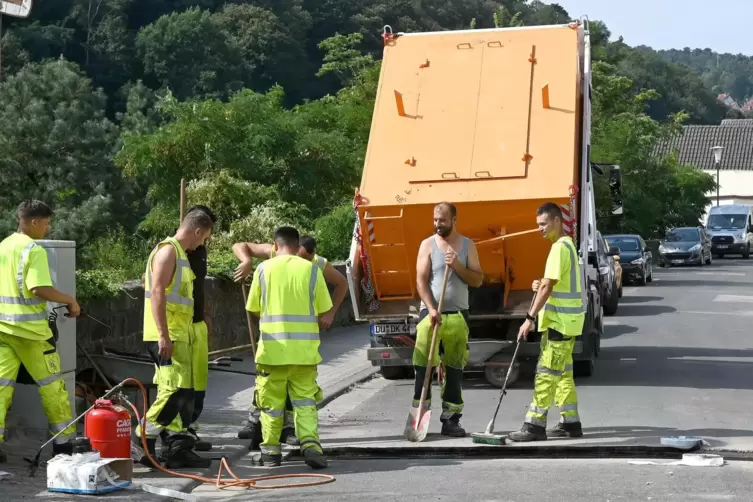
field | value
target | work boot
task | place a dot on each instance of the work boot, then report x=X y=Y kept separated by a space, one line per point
x=528 y=433
x=271 y=459
x=200 y=445
x=314 y=458
x=451 y=427
x=563 y=430
x=151 y=446
x=251 y=431
x=177 y=453
x=288 y=436
x=65 y=449
x=3 y=456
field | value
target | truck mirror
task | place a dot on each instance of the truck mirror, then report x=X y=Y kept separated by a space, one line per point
x=615 y=188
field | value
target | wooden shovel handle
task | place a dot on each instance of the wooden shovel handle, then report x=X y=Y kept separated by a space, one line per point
x=248 y=320
x=432 y=347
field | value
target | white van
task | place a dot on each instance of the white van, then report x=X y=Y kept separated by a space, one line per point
x=731 y=229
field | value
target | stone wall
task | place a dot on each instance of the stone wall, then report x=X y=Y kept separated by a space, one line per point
x=124 y=316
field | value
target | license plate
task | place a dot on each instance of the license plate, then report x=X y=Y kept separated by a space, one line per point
x=677 y=261
x=722 y=246
x=390 y=329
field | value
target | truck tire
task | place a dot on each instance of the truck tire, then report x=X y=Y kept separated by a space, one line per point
x=395 y=372
x=583 y=368
x=495 y=375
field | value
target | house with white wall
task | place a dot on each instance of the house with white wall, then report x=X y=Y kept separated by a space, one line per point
x=694 y=145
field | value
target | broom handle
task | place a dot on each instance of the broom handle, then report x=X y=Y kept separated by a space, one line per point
x=248 y=320
x=430 y=365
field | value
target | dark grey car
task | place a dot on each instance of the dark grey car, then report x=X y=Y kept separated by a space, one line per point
x=635 y=257
x=685 y=246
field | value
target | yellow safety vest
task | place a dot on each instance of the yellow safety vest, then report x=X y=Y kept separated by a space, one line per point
x=564 y=310
x=21 y=313
x=317 y=260
x=288 y=322
x=179 y=296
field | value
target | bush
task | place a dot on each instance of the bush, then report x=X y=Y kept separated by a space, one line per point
x=108 y=262
x=334 y=233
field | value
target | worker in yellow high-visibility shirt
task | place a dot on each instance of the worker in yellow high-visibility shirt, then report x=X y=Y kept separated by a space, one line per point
x=245 y=252
x=168 y=315
x=559 y=307
x=289 y=295
x=25 y=334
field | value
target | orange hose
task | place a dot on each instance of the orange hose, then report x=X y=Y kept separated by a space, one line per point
x=220 y=482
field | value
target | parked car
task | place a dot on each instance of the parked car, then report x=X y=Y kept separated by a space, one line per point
x=635 y=257
x=685 y=246
x=610 y=294
x=731 y=230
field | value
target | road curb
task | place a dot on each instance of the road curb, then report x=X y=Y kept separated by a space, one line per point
x=186 y=485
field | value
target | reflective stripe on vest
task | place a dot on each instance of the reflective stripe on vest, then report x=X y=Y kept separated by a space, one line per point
x=284 y=318
x=38 y=310
x=173 y=293
x=564 y=302
x=319 y=262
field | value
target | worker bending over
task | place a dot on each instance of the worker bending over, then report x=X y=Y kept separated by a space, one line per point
x=446 y=248
x=288 y=294
x=168 y=315
x=198 y=334
x=26 y=336
x=245 y=251
x=560 y=312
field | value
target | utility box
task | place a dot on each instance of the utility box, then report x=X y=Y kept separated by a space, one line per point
x=26 y=414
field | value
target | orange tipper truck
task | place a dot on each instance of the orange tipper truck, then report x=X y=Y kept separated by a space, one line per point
x=497 y=122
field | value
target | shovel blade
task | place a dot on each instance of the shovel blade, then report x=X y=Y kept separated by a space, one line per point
x=417 y=425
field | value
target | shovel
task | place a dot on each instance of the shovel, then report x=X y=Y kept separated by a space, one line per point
x=417 y=425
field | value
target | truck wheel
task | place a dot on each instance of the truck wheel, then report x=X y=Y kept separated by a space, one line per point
x=394 y=372
x=583 y=368
x=495 y=375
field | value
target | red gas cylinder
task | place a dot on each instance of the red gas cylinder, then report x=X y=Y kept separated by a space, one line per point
x=108 y=427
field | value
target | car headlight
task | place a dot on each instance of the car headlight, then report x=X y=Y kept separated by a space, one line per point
x=697 y=247
x=662 y=249
x=739 y=237
x=639 y=261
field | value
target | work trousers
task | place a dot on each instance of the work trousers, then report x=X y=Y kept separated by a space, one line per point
x=273 y=385
x=554 y=381
x=42 y=362
x=254 y=414
x=197 y=336
x=452 y=350
x=173 y=409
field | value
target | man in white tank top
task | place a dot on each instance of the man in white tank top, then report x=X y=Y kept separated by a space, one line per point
x=445 y=247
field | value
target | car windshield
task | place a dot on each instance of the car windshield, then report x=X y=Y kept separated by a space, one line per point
x=683 y=235
x=624 y=243
x=726 y=221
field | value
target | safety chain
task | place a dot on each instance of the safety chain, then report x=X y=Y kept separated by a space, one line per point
x=372 y=304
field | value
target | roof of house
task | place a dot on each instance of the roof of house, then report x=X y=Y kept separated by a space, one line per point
x=694 y=146
x=737 y=122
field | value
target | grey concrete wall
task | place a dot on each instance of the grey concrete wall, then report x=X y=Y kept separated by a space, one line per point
x=124 y=315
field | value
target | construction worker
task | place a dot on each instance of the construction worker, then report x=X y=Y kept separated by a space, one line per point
x=446 y=248
x=245 y=251
x=560 y=312
x=288 y=294
x=168 y=314
x=26 y=336
x=198 y=334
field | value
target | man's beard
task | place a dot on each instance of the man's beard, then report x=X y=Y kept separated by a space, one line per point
x=443 y=231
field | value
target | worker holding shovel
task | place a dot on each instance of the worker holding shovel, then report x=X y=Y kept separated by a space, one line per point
x=447 y=248
x=559 y=307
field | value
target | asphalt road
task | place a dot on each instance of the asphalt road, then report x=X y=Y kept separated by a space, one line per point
x=675 y=360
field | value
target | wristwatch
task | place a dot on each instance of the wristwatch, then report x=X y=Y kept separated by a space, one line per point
x=529 y=317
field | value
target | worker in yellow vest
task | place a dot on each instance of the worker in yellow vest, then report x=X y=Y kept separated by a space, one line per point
x=199 y=334
x=25 y=334
x=289 y=295
x=559 y=307
x=245 y=252
x=168 y=315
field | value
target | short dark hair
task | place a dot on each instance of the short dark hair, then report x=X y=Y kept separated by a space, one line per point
x=551 y=209
x=287 y=237
x=197 y=219
x=208 y=211
x=450 y=206
x=308 y=243
x=31 y=209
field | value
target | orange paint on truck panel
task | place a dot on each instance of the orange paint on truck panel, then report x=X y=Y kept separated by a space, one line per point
x=486 y=141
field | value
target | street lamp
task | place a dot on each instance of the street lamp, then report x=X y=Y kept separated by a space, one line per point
x=717 y=162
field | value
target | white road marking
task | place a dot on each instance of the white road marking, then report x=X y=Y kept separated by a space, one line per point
x=736 y=274
x=611 y=322
x=621 y=359
x=746 y=313
x=734 y=298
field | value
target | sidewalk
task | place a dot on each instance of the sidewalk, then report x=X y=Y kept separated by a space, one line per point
x=228 y=398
